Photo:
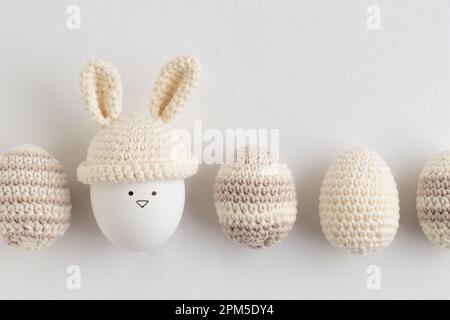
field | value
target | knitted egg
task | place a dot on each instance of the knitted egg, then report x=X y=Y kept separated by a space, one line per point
x=359 y=205
x=255 y=198
x=34 y=198
x=433 y=200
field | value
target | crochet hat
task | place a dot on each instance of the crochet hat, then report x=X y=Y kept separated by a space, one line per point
x=136 y=148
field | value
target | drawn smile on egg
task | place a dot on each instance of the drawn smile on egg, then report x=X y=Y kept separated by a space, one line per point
x=141 y=203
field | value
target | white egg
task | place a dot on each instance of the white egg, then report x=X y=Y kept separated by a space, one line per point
x=138 y=216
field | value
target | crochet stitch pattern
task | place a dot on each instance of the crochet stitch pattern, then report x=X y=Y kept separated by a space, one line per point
x=102 y=91
x=359 y=205
x=34 y=198
x=255 y=198
x=433 y=204
x=137 y=148
x=175 y=84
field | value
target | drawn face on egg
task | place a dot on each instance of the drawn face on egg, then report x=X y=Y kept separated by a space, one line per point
x=141 y=203
x=138 y=216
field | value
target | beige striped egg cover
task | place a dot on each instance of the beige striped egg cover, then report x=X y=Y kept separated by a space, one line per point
x=255 y=198
x=433 y=200
x=34 y=198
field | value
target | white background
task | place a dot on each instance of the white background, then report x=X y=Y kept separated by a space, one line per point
x=309 y=68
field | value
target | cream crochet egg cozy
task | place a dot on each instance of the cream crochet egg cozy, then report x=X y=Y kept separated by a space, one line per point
x=137 y=148
x=359 y=204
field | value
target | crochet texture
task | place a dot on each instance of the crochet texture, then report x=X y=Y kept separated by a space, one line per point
x=359 y=206
x=137 y=148
x=255 y=198
x=433 y=200
x=34 y=198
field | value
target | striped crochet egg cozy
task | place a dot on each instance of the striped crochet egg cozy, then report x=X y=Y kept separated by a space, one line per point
x=433 y=200
x=359 y=205
x=34 y=198
x=255 y=198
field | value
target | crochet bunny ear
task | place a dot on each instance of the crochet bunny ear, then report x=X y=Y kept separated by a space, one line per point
x=102 y=91
x=175 y=84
